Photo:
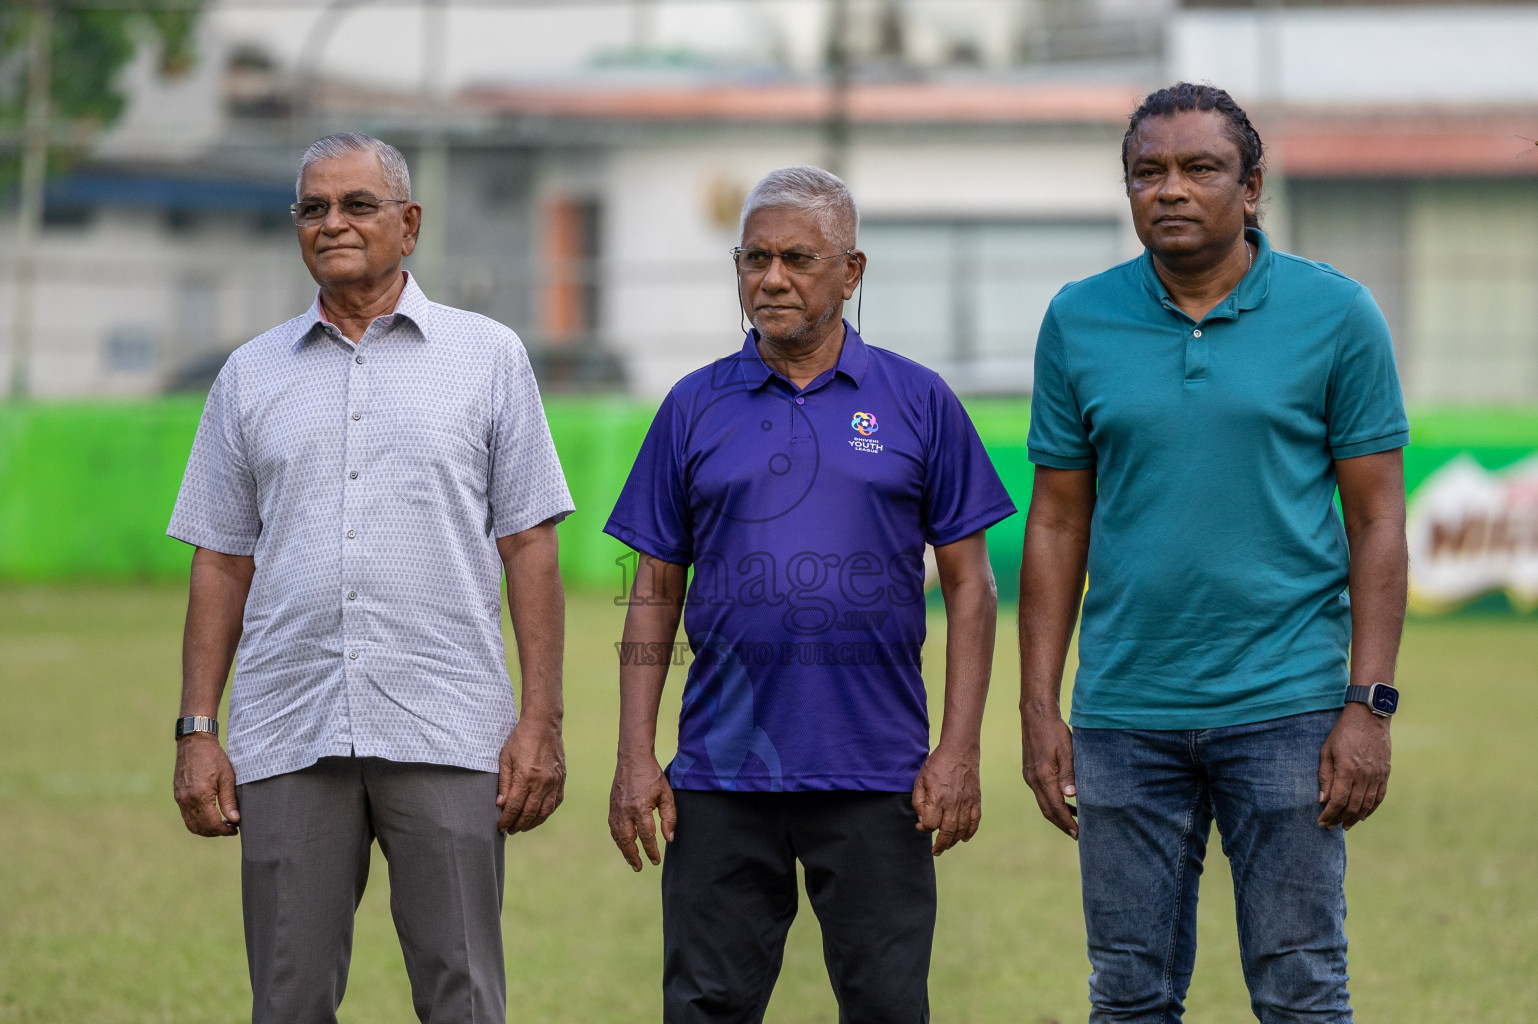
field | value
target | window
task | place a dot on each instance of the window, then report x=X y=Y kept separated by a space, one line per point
x=966 y=297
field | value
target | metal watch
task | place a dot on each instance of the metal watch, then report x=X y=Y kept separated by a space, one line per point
x=1381 y=698
x=196 y=723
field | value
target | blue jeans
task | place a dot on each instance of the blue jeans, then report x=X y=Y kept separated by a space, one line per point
x=1147 y=800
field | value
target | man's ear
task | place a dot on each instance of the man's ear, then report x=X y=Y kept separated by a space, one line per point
x=1252 y=187
x=412 y=214
x=854 y=273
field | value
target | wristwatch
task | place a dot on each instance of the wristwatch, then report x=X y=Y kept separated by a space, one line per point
x=1381 y=698
x=196 y=723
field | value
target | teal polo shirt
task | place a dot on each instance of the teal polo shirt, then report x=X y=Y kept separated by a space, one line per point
x=1217 y=559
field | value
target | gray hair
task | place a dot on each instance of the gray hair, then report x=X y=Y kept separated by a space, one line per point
x=812 y=189
x=397 y=177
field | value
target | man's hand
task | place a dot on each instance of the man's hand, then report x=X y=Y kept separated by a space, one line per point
x=531 y=776
x=948 y=797
x=205 y=786
x=640 y=788
x=1047 y=763
x=1354 y=767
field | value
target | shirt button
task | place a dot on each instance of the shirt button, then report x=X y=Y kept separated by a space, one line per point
x=353 y=655
x=351 y=534
x=358 y=359
x=352 y=595
x=1196 y=334
x=800 y=401
x=353 y=475
x=357 y=415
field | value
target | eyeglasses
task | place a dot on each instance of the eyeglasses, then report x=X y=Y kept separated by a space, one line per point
x=308 y=212
x=796 y=262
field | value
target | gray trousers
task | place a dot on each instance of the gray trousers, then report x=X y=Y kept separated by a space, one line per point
x=304 y=841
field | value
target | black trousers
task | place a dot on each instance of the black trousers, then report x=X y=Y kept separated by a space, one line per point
x=729 y=895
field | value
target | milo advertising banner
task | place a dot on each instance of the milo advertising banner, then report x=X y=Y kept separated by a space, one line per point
x=1472 y=524
x=1474 y=532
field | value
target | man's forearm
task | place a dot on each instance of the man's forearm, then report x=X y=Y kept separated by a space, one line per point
x=536 y=604
x=216 y=604
x=1372 y=504
x=648 y=628
x=1379 y=581
x=971 y=623
x=651 y=624
x=1051 y=584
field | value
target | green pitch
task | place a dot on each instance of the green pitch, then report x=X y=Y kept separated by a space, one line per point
x=110 y=912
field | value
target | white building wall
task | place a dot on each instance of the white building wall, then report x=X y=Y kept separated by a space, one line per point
x=1345 y=55
x=669 y=303
x=175 y=297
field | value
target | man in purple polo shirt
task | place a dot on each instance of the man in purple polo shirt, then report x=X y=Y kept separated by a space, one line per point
x=801 y=478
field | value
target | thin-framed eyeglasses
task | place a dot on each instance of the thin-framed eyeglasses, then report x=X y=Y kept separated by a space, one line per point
x=308 y=212
x=758 y=260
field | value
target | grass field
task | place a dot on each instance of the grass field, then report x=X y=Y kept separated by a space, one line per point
x=110 y=912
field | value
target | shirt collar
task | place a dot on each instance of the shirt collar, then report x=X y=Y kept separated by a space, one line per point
x=852 y=360
x=411 y=304
x=1250 y=292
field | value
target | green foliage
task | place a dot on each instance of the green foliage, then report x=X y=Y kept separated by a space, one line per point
x=89 y=47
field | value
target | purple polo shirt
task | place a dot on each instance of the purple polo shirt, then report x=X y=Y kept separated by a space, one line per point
x=803 y=514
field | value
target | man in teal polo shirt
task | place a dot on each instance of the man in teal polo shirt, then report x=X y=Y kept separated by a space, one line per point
x=1195 y=411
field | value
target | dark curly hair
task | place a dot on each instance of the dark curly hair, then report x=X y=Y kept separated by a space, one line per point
x=1183 y=97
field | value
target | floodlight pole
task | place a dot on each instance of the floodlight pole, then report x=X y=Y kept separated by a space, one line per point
x=431 y=174
x=29 y=214
x=836 y=128
x=1269 y=36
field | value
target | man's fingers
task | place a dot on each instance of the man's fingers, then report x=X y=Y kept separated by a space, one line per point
x=669 y=811
x=537 y=793
x=974 y=818
x=925 y=806
x=623 y=833
x=1049 y=797
x=1335 y=803
x=513 y=800
x=945 y=834
x=1326 y=773
x=227 y=805
x=647 y=829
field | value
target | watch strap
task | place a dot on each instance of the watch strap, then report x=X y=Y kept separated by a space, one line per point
x=196 y=723
x=1356 y=693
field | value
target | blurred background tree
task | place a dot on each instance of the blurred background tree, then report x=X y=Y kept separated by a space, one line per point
x=89 y=43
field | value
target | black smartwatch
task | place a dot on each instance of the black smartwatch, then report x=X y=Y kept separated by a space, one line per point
x=1381 y=698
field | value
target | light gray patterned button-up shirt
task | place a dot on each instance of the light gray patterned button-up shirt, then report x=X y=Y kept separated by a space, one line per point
x=370 y=483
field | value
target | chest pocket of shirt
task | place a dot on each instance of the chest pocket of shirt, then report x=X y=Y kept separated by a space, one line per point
x=436 y=467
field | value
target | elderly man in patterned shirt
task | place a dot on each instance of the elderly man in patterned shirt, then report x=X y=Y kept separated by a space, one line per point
x=361 y=477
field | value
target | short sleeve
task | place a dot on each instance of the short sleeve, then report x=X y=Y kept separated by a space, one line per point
x=962 y=490
x=527 y=486
x=1364 y=407
x=217 y=507
x=652 y=513
x=1058 y=437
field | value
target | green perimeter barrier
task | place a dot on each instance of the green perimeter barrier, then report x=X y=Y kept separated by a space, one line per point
x=86 y=489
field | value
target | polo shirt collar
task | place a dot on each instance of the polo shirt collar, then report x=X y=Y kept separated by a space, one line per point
x=1249 y=293
x=412 y=304
x=852 y=361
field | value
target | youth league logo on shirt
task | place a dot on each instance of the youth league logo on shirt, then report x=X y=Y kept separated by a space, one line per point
x=864 y=424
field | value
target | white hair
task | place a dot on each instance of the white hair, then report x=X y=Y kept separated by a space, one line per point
x=812 y=189
x=397 y=177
